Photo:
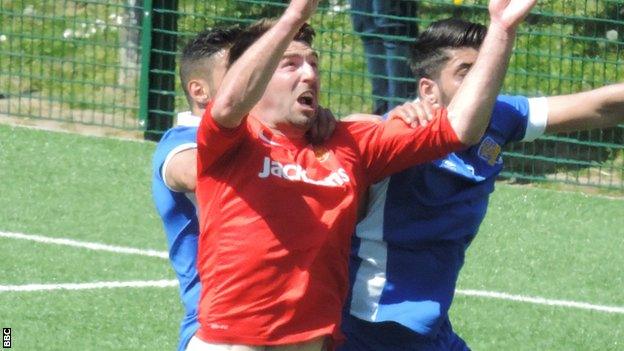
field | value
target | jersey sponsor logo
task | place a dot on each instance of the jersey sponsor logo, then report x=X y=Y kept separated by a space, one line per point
x=448 y=164
x=490 y=151
x=452 y=166
x=296 y=173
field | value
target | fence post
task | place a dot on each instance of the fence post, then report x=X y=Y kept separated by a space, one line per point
x=162 y=63
x=146 y=42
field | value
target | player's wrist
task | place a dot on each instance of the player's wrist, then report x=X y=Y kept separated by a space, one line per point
x=501 y=31
x=292 y=20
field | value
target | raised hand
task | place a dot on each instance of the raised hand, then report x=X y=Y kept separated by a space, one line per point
x=509 y=13
x=414 y=113
x=322 y=127
x=301 y=9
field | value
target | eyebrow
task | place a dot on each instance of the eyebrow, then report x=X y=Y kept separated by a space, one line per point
x=291 y=54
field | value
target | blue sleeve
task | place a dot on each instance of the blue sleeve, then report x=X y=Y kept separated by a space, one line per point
x=510 y=116
x=172 y=139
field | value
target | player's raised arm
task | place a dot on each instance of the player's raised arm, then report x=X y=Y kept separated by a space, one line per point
x=247 y=78
x=470 y=109
x=598 y=108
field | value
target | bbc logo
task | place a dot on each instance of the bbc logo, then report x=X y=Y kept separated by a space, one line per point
x=6 y=338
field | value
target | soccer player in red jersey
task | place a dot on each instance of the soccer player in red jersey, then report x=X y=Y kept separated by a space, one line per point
x=276 y=212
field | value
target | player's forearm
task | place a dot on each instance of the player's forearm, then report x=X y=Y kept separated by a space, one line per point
x=598 y=108
x=471 y=107
x=611 y=112
x=246 y=80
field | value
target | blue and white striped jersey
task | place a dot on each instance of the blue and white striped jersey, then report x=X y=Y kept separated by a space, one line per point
x=179 y=215
x=408 y=251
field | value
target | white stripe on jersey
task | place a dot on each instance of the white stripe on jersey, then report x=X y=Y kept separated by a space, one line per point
x=175 y=151
x=370 y=278
x=538 y=118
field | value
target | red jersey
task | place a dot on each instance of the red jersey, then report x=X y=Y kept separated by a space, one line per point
x=276 y=217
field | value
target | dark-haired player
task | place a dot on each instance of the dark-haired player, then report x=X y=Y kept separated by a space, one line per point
x=276 y=213
x=410 y=247
x=202 y=66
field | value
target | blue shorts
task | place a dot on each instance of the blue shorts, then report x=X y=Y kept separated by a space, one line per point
x=391 y=336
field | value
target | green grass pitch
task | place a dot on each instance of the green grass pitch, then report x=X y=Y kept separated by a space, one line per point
x=534 y=243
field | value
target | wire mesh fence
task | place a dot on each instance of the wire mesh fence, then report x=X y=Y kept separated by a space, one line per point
x=69 y=61
x=113 y=64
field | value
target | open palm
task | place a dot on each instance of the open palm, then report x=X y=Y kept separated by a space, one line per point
x=509 y=13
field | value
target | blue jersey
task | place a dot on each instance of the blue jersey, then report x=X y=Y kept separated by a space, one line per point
x=179 y=215
x=408 y=251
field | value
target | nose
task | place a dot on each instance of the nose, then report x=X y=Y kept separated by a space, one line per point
x=309 y=73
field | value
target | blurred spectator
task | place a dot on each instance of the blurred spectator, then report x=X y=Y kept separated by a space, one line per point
x=386 y=41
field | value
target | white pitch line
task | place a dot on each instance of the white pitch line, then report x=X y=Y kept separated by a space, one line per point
x=90 y=286
x=540 y=300
x=173 y=283
x=85 y=245
x=168 y=283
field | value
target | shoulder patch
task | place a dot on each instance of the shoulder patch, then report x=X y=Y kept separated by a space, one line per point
x=490 y=151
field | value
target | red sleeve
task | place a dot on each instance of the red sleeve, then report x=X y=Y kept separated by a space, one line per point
x=214 y=141
x=393 y=146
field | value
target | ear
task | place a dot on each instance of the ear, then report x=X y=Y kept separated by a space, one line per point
x=199 y=91
x=429 y=91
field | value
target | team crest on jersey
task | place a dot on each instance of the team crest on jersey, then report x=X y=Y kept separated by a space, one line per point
x=321 y=153
x=490 y=151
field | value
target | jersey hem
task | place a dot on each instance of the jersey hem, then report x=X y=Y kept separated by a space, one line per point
x=262 y=341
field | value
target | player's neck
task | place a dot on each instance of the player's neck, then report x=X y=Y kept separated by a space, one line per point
x=198 y=111
x=281 y=125
x=286 y=130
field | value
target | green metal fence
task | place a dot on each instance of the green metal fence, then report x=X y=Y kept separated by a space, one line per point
x=112 y=64
x=70 y=61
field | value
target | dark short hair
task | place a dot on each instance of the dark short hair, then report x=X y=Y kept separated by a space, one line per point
x=201 y=47
x=255 y=31
x=429 y=52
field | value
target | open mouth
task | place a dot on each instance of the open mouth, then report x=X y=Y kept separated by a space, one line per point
x=306 y=99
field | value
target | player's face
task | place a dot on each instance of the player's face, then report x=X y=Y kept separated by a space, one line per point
x=453 y=73
x=291 y=97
